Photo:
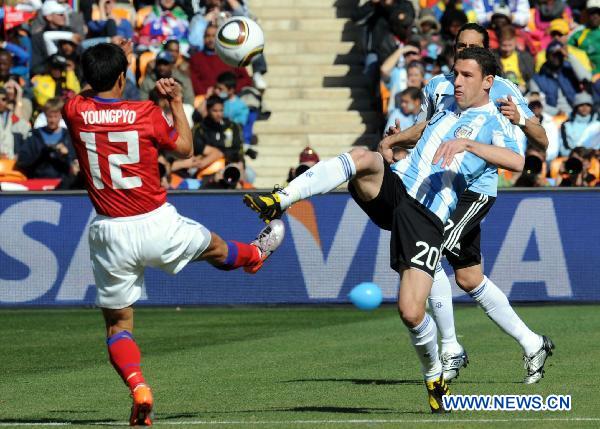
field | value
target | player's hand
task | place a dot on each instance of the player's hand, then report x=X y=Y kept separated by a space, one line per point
x=170 y=89
x=394 y=129
x=509 y=109
x=385 y=149
x=447 y=150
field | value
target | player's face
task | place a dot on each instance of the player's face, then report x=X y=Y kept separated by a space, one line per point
x=470 y=86
x=210 y=37
x=216 y=113
x=468 y=39
x=53 y=118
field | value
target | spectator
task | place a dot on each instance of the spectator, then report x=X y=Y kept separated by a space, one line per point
x=74 y=19
x=48 y=152
x=234 y=108
x=572 y=173
x=20 y=106
x=5 y=67
x=59 y=82
x=556 y=80
x=162 y=21
x=588 y=39
x=396 y=69
x=13 y=130
x=165 y=68
x=54 y=16
x=308 y=157
x=582 y=129
x=205 y=66
x=517 y=66
x=532 y=176
x=516 y=10
x=107 y=24
x=217 y=131
x=181 y=63
x=549 y=126
x=408 y=106
x=546 y=12
x=559 y=30
x=451 y=21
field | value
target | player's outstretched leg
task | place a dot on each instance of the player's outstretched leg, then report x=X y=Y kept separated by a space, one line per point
x=453 y=355
x=423 y=334
x=536 y=348
x=363 y=165
x=230 y=255
x=125 y=357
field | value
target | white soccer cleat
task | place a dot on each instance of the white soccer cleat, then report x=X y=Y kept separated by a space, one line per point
x=452 y=363
x=534 y=363
x=267 y=241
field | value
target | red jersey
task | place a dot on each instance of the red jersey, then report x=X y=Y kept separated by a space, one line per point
x=117 y=143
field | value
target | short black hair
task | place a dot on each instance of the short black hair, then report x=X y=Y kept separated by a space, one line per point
x=488 y=63
x=475 y=27
x=412 y=92
x=102 y=65
x=228 y=79
x=212 y=101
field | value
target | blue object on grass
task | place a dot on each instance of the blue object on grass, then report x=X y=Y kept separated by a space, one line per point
x=366 y=296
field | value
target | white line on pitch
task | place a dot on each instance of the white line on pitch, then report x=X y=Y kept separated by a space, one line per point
x=307 y=422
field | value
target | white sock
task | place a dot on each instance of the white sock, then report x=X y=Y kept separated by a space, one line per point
x=321 y=178
x=497 y=307
x=440 y=304
x=424 y=339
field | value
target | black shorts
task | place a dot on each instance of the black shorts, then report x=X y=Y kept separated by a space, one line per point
x=462 y=234
x=417 y=234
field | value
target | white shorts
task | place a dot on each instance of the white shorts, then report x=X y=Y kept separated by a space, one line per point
x=121 y=248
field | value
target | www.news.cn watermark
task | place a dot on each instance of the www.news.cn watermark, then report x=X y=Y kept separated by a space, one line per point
x=507 y=403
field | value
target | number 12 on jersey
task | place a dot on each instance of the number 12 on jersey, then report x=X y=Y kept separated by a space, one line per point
x=115 y=160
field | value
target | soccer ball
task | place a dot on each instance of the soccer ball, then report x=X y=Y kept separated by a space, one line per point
x=366 y=296
x=239 y=40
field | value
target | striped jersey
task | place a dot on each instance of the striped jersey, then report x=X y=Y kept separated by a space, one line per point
x=439 y=188
x=438 y=95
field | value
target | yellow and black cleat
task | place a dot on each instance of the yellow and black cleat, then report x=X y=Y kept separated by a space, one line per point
x=268 y=206
x=435 y=390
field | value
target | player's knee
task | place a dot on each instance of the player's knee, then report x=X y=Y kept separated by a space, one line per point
x=364 y=160
x=467 y=279
x=411 y=314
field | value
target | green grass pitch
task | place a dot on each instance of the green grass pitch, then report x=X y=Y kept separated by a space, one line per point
x=297 y=367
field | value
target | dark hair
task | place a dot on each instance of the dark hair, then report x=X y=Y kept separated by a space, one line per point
x=102 y=65
x=475 y=27
x=412 y=92
x=488 y=63
x=5 y=52
x=228 y=79
x=212 y=101
x=3 y=91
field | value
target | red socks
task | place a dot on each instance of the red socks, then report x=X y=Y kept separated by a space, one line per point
x=125 y=357
x=240 y=255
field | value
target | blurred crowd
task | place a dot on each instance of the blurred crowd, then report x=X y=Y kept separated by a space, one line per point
x=550 y=49
x=40 y=69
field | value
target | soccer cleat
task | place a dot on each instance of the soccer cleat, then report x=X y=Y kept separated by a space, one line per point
x=141 y=410
x=268 y=206
x=435 y=390
x=452 y=363
x=268 y=240
x=534 y=363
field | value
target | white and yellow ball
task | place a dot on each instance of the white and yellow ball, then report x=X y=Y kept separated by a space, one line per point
x=239 y=40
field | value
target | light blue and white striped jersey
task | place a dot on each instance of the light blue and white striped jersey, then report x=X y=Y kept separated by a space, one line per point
x=439 y=188
x=438 y=95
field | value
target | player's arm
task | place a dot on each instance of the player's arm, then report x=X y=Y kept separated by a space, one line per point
x=501 y=157
x=406 y=139
x=170 y=89
x=517 y=115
